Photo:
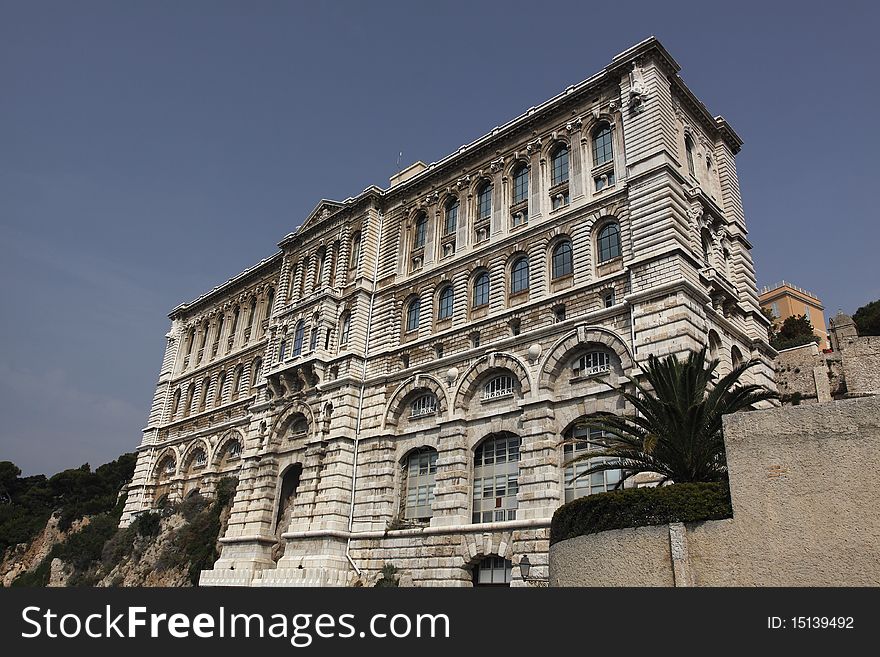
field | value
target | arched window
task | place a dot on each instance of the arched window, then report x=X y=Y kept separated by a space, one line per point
x=499 y=386
x=412 y=315
x=689 y=152
x=603 y=151
x=252 y=312
x=421 y=231
x=191 y=341
x=255 y=371
x=484 y=202
x=282 y=350
x=496 y=478
x=450 y=216
x=706 y=239
x=313 y=339
x=736 y=357
x=597 y=482
x=714 y=345
x=203 y=397
x=235 y=316
x=199 y=459
x=233 y=449
x=355 y=259
x=236 y=381
x=167 y=467
x=298 y=334
x=204 y=341
x=218 y=335
x=519 y=275
x=420 y=469
x=520 y=184
x=270 y=299
x=609 y=242
x=493 y=571
x=345 y=328
x=592 y=362
x=218 y=391
x=559 y=165
x=444 y=305
x=563 y=263
x=334 y=250
x=190 y=393
x=319 y=271
x=481 y=290
x=175 y=403
x=299 y=426
x=423 y=405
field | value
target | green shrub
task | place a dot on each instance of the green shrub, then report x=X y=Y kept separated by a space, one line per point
x=637 y=507
x=389 y=576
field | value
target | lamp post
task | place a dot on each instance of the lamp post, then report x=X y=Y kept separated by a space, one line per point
x=525 y=568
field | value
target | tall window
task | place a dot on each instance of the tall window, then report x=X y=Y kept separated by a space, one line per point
x=190 y=393
x=559 y=166
x=484 y=202
x=255 y=371
x=346 y=329
x=282 y=351
x=175 y=403
x=412 y=315
x=689 y=152
x=450 y=217
x=235 y=315
x=603 y=151
x=298 y=337
x=496 y=478
x=252 y=312
x=218 y=391
x=707 y=247
x=519 y=275
x=421 y=231
x=609 y=242
x=218 y=335
x=563 y=263
x=520 y=184
x=355 y=251
x=444 y=306
x=203 y=397
x=481 y=290
x=421 y=468
x=270 y=299
x=236 y=381
x=319 y=270
x=313 y=340
x=597 y=482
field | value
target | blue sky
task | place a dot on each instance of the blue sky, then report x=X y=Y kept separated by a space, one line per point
x=150 y=150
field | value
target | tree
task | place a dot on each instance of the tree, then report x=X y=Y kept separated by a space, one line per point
x=771 y=330
x=867 y=319
x=676 y=430
x=794 y=332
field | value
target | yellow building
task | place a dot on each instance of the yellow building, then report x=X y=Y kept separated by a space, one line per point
x=786 y=300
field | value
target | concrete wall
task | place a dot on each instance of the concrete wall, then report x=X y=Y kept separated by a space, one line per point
x=804 y=489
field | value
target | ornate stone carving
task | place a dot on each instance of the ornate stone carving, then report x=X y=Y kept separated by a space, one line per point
x=638 y=90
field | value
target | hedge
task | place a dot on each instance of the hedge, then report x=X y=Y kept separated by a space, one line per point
x=637 y=507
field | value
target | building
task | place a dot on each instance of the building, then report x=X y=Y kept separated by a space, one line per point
x=393 y=384
x=785 y=300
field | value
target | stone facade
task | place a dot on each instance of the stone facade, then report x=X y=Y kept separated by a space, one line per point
x=485 y=299
x=851 y=369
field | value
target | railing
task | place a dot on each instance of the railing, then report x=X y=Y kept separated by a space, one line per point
x=770 y=288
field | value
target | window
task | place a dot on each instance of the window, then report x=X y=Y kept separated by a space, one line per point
x=319 y=273
x=298 y=337
x=597 y=482
x=412 y=315
x=559 y=200
x=235 y=314
x=169 y=467
x=423 y=405
x=313 y=340
x=602 y=149
x=175 y=403
x=252 y=312
x=282 y=350
x=496 y=478
x=608 y=298
x=689 y=152
x=559 y=313
x=493 y=571
x=203 y=398
x=233 y=450
x=200 y=459
x=562 y=260
x=481 y=290
x=475 y=339
x=421 y=231
x=520 y=184
x=592 y=362
x=444 y=307
x=609 y=242
x=559 y=166
x=807 y=313
x=190 y=393
x=355 y=252
x=236 y=381
x=421 y=468
x=774 y=308
x=299 y=426
x=218 y=335
x=707 y=247
x=450 y=218
x=346 y=329
x=603 y=181
x=257 y=369
x=484 y=202
x=218 y=391
x=270 y=300
x=519 y=275
x=500 y=386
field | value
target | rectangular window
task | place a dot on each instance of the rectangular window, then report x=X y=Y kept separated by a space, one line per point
x=609 y=299
x=593 y=362
x=605 y=180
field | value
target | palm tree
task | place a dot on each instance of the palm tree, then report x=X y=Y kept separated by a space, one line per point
x=676 y=429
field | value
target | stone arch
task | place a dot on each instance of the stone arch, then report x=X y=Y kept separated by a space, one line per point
x=228 y=437
x=190 y=452
x=279 y=427
x=158 y=464
x=557 y=358
x=396 y=405
x=494 y=361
